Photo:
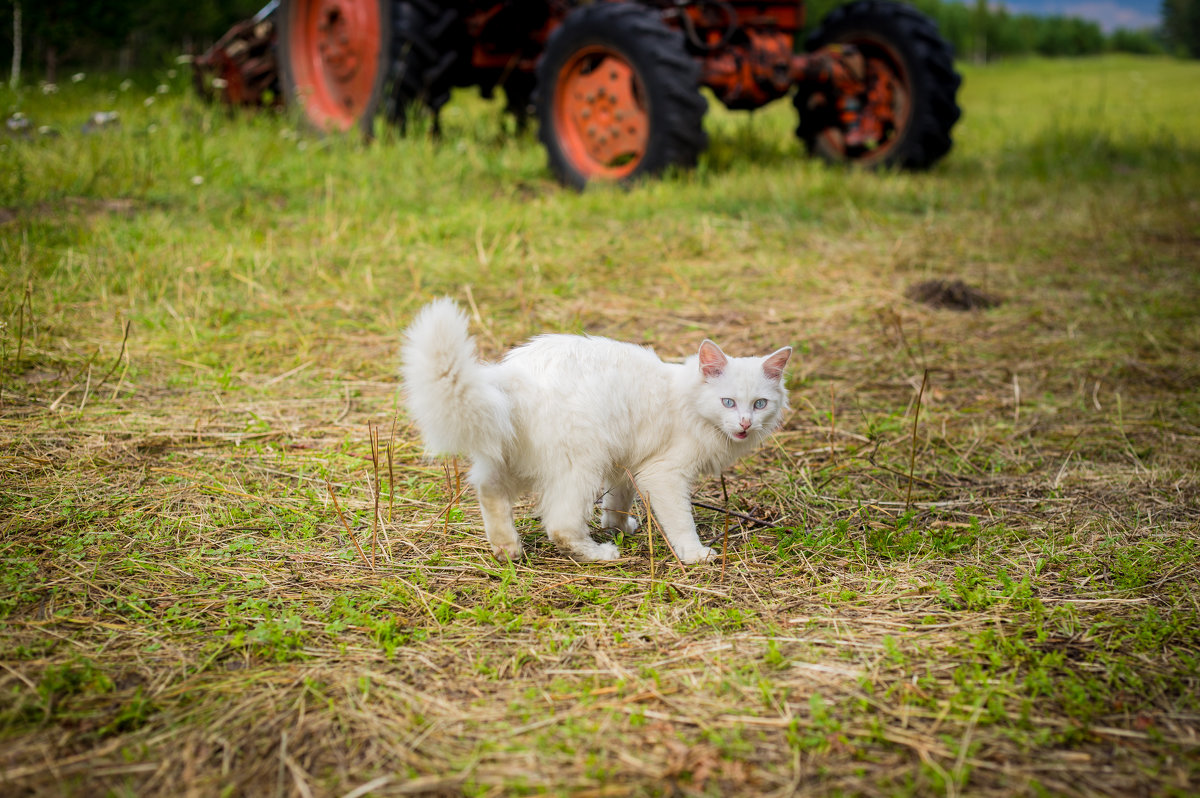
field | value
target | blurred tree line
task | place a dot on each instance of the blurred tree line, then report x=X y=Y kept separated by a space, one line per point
x=1181 y=25
x=983 y=31
x=119 y=35
x=131 y=35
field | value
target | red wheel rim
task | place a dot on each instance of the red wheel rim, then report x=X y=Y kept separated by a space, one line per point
x=884 y=64
x=333 y=48
x=600 y=114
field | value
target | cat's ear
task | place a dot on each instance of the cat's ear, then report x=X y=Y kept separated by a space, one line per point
x=712 y=360
x=774 y=364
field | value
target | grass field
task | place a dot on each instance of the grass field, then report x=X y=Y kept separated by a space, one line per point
x=967 y=565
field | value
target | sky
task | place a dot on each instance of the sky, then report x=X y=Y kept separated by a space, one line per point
x=1111 y=14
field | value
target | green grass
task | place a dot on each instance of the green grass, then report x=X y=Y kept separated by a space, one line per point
x=182 y=603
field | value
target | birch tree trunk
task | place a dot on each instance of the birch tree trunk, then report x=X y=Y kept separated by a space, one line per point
x=15 y=75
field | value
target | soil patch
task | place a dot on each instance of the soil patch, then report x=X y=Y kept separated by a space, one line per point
x=950 y=295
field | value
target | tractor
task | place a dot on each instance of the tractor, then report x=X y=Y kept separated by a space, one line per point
x=616 y=85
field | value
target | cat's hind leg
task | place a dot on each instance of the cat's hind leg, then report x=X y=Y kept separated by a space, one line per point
x=496 y=504
x=565 y=509
x=617 y=505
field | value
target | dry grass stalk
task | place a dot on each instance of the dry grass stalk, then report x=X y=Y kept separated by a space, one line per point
x=391 y=468
x=25 y=306
x=345 y=525
x=120 y=356
x=373 y=433
x=724 y=530
x=912 y=459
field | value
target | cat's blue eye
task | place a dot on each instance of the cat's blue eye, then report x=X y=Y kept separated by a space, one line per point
x=759 y=404
x=729 y=403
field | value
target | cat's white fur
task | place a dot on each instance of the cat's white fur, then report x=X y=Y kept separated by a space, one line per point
x=566 y=417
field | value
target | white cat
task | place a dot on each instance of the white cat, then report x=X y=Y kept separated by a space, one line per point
x=566 y=416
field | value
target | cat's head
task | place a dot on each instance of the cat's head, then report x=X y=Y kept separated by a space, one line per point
x=742 y=396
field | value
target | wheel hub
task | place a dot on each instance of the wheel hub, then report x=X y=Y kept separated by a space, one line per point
x=605 y=122
x=338 y=52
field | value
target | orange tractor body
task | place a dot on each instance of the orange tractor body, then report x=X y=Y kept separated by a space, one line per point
x=616 y=84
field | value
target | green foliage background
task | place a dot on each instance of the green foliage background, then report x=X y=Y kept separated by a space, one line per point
x=75 y=34
x=83 y=34
x=1181 y=26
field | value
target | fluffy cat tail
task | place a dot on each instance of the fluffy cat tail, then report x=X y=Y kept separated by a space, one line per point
x=452 y=397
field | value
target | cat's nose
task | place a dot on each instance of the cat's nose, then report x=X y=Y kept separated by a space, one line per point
x=745 y=422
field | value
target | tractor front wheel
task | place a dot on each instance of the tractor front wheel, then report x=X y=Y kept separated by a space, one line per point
x=334 y=59
x=910 y=81
x=618 y=96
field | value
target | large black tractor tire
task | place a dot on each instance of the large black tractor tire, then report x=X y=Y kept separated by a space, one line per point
x=908 y=44
x=618 y=96
x=429 y=48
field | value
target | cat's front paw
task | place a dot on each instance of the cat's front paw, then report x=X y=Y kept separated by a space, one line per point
x=597 y=552
x=607 y=551
x=621 y=522
x=582 y=548
x=702 y=554
x=508 y=552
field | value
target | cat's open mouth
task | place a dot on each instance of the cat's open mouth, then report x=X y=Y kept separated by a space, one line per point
x=741 y=434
